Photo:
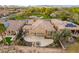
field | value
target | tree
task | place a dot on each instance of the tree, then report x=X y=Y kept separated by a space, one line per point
x=19 y=38
x=66 y=34
x=60 y=36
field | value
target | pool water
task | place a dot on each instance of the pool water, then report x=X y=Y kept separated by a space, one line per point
x=8 y=40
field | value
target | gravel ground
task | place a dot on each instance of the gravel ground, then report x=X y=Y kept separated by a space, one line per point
x=26 y=49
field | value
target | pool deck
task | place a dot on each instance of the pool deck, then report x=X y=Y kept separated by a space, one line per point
x=41 y=40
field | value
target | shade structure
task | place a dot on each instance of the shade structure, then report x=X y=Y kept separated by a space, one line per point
x=41 y=40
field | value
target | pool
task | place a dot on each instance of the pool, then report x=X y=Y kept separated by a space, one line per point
x=8 y=40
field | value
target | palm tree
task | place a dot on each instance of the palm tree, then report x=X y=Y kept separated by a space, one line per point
x=60 y=36
x=19 y=36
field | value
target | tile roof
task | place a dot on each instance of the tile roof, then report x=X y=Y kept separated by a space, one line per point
x=42 y=25
x=15 y=24
x=62 y=24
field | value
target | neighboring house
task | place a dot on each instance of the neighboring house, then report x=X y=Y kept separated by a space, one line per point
x=14 y=26
x=60 y=25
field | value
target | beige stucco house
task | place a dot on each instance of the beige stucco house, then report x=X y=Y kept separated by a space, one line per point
x=40 y=28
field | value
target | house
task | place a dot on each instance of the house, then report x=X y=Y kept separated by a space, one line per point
x=41 y=28
x=60 y=25
x=39 y=33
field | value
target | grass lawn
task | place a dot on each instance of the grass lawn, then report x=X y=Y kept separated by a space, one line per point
x=41 y=15
x=17 y=17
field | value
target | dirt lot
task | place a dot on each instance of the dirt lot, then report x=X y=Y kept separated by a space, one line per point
x=26 y=49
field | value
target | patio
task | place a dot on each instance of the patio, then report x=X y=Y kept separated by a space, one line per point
x=38 y=41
